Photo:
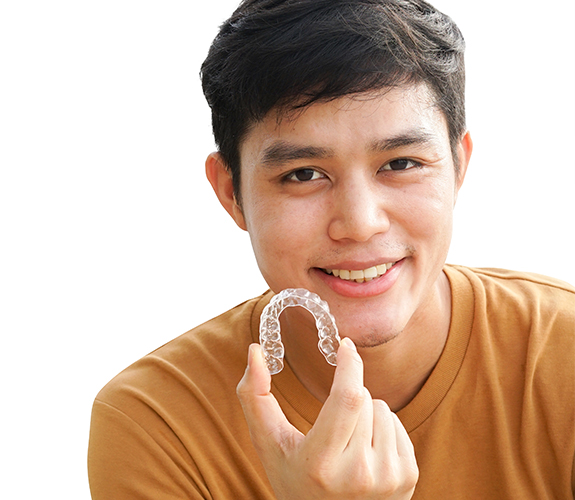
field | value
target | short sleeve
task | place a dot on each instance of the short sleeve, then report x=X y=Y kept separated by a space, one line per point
x=125 y=462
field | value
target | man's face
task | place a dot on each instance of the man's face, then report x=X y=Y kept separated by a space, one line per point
x=352 y=189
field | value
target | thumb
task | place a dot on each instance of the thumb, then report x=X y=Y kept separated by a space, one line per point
x=269 y=428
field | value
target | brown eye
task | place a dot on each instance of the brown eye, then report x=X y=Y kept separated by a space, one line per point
x=400 y=164
x=304 y=175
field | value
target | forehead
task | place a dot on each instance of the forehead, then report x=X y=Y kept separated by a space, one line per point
x=361 y=121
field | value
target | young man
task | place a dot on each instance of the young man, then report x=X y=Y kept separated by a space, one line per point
x=342 y=147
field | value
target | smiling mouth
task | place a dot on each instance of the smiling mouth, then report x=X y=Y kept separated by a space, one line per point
x=362 y=275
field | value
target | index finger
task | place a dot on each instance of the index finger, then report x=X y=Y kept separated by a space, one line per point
x=339 y=416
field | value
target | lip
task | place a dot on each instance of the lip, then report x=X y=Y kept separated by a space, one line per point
x=371 y=288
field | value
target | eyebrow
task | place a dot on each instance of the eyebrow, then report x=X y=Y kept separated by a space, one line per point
x=413 y=137
x=282 y=152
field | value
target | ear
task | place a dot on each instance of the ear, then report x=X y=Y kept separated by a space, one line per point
x=220 y=178
x=465 y=148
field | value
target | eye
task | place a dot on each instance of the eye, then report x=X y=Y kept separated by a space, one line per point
x=400 y=164
x=304 y=175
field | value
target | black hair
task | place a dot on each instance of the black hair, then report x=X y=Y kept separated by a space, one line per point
x=288 y=54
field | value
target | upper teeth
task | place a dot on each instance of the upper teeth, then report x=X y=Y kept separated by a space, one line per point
x=360 y=275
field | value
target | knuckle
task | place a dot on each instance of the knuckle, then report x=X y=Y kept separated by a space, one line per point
x=285 y=440
x=382 y=411
x=321 y=474
x=242 y=391
x=391 y=485
x=381 y=406
x=411 y=475
x=351 y=398
x=399 y=478
x=364 y=481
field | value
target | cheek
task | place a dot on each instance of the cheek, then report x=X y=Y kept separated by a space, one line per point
x=431 y=213
x=280 y=231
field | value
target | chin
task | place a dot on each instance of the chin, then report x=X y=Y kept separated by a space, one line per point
x=375 y=338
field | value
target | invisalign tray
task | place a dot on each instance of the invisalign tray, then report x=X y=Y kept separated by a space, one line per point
x=270 y=337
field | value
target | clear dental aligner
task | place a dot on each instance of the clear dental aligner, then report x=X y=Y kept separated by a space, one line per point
x=270 y=336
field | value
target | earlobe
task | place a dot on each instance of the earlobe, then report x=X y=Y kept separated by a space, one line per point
x=221 y=180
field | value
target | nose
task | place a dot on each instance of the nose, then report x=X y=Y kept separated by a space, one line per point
x=359 y=211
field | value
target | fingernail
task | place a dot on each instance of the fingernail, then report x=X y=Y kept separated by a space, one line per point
x=255 y=350
x=349 y=343
x=250 y=355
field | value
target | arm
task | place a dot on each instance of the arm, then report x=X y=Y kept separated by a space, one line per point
x=124 y=461
x=357 y=447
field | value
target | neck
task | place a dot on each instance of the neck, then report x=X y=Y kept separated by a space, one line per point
x=395 y=371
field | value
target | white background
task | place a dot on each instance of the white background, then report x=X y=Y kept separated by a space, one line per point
x=112 y=242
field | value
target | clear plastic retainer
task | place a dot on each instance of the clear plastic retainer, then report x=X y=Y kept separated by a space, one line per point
x=270 y=336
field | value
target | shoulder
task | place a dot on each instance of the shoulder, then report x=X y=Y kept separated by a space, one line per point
x=515 y=286
x=167 y=423
x=520 y=321
x=522 y=305
x=521 y=278
x=210 y=355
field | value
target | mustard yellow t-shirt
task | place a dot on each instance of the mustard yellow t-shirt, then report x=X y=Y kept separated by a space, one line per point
x=495 y=420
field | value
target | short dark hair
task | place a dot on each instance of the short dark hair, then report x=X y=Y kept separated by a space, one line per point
x=288 y=54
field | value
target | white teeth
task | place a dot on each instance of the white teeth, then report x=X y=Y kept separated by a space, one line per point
x=360 y=276
x=370 y=273
x=357 y=275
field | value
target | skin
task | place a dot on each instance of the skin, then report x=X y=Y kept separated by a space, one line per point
x=318 y=192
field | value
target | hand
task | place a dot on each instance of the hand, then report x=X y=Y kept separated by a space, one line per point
x=356 y=449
